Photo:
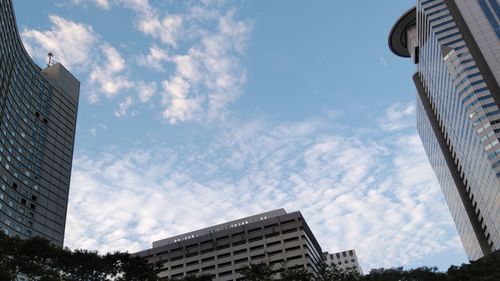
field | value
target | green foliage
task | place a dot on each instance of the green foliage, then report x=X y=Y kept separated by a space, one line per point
x=425 y=273
x=136 y=269
x=381 y=274
x=190 y=278
x=39 y=260
x=485 y=269
x=258 y=272
x=399 y=274
x=264 y=271
x=295 y=274
x=332 y=272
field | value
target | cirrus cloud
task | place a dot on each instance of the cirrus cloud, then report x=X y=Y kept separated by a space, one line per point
x=79 y=48
x=195 y=51
x=73 y=44
x=347 y=185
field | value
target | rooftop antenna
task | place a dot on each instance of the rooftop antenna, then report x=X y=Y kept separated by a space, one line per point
x=51 y=55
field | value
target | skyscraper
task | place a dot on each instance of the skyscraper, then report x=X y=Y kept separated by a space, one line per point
x=37 y=130
x=455 y=45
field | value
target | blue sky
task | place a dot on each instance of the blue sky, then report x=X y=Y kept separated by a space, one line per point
x=198 y=112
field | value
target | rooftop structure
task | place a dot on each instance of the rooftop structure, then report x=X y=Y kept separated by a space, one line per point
x=219 y=227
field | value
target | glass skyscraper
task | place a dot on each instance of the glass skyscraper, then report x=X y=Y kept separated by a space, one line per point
x=37 y=130
x=456 y=48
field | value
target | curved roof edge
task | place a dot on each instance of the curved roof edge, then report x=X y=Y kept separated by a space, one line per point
x=397 y=36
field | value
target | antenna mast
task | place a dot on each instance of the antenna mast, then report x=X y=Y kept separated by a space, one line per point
x=51 y=55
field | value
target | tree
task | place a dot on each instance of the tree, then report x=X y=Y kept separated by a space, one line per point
x=257 y=272
x=39 y=260
x=137 y=269
x=295 y=274
x=484 y=269
x=29 y=257
x=80 y=265
x=425 y=274
x=8 y=249
x=332 y=272
x=202 y=277
x=382 y=274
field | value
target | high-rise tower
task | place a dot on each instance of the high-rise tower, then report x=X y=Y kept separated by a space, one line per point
x=456 y=47
x=37 y=131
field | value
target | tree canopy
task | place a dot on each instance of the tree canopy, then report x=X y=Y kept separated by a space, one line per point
x=39 y=260
x=485 y=269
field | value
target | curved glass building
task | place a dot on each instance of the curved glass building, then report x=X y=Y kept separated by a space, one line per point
x=455 y=45
x=38 y=110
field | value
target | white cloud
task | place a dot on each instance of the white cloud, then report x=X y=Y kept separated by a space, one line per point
x=124 y=106
x=154 y=59
x=212 y=71
x=109 y=76
x=204 y=42
x=188 y=68
x=94 y=130
x=237 y=31
x=166 y=29
x=398 y=116
x=345 y=187
x=179 y=107
x=73 y=44
x=146 y=91
x=148 y=21
x=103 y=4
x=78 y=47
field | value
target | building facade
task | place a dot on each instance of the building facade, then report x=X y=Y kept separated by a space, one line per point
x=38 y=110
x=221 y=251
x=346 y=260
x=455 y=45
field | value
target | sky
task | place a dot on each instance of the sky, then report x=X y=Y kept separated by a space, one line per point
x=194 y=113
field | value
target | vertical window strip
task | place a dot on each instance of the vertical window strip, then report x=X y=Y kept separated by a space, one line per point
x=496 y=7
x=489 y=14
